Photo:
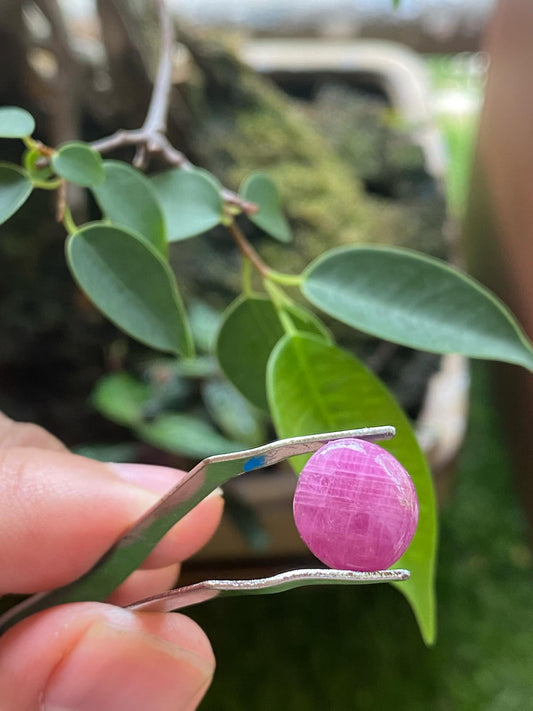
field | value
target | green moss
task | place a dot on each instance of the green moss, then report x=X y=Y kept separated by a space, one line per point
x=320 y=155
x=264 y=130
x=416 y=222
x=404 y=206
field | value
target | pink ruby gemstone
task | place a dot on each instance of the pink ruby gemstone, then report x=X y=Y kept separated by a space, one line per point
x=355 y=506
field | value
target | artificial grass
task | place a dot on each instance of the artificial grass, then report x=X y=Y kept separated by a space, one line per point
x=358 y=649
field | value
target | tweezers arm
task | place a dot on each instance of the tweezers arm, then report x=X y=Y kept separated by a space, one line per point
x=209 y=589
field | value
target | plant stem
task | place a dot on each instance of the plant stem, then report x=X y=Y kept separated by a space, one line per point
x=61 y=203
x=151 y=138
x=246 y=276
x=29 y=142
x=251 y=257
x=286 y=279
x=47 y=184
x=248 y=251
x=156 y=118
x=69 y=223
x=279 y=299
x=40 y=146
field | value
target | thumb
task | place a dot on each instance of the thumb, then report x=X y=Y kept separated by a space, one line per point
x=95 y=657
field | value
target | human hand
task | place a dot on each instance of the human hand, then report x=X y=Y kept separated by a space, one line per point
x=58 y=514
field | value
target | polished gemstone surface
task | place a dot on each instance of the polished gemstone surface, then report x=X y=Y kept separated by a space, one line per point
x=355 y=506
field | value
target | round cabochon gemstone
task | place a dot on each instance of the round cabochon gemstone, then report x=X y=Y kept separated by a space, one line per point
x=355 y=506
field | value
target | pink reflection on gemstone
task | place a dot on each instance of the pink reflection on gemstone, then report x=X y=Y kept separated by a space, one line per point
x=355 y=506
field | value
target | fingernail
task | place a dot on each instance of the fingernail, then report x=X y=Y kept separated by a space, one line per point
x=154 y=478
x=216 y=492
x=113 y=669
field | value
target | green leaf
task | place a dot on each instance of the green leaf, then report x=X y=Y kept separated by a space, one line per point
x=198 y=367
x=260 y=189
x=205 y=324
x=120 y=397
x=80 y=164
x=128 y=280
x=127 y=199
x=232 y=413
x=246 y=520
x=190 y=200
x=314 y=387
x=415 y=300
x=15 y=122
x=210 y=177
x=120 y=452
x=15 y=188
x=186 y=435
x=250 y=330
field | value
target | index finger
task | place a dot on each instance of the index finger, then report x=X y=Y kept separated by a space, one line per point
x=59 y=513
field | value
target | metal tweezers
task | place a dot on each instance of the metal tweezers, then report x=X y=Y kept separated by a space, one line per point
x=264 y=456
x=130 y=550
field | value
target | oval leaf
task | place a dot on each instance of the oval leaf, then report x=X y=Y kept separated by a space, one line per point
x=126 y=198
x=205 y=323
x=314 y=387
x=80 y=164
x=190 y=200
x=15 y=188
x=260 y=189
x=250 y=330
x=15 y=122
x=417 y=301
x=120 y=397
x=120 y=452
x=128 y=280
x=186 y=435
x=232 y=413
